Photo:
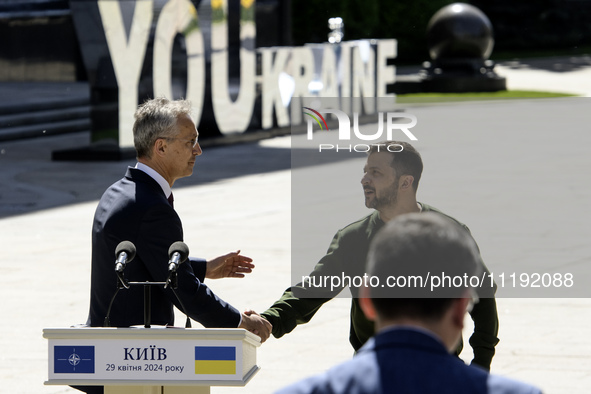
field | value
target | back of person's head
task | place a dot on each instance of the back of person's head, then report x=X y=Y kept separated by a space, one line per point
x=157 y=118
x=406 y=160
x=410 y=256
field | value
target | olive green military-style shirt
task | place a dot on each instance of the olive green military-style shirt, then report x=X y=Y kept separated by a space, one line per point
x=347 y=255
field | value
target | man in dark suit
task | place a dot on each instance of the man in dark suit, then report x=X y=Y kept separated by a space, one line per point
x=411 y=352
x=139 y=208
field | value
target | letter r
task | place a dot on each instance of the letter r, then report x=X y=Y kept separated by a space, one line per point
x=401 y=126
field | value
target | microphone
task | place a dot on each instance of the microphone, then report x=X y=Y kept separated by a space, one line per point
x=125 y=252
x=178 y=254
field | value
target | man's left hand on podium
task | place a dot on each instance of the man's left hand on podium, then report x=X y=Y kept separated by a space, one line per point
x=231 y=265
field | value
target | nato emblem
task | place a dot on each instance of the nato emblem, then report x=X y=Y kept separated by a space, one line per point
x=73 y=359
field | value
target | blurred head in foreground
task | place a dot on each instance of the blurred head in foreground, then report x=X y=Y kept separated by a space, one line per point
x=424 y=263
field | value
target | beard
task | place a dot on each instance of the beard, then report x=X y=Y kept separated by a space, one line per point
x=388 y=197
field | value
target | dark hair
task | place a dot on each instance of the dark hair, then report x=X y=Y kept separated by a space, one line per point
x=405 y=161
x=418 y=247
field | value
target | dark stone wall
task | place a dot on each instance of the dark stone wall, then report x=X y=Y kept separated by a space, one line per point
x=38 y=42
x=542 y=24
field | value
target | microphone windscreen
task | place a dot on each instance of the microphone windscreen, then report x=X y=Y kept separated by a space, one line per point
x=181 y=248
x=127 y=247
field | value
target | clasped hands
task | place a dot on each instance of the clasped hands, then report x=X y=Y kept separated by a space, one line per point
x=234 y=265
x=255 y=323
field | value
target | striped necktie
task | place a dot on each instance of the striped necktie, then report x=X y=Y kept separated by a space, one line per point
x=171 y=200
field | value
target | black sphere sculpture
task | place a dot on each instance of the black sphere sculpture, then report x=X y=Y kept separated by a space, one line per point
x=460 y=41
x=459 y=31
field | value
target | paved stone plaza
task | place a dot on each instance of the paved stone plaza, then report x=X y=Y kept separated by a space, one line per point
x=516 y=172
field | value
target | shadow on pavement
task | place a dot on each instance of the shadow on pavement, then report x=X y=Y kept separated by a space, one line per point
x=30 y=181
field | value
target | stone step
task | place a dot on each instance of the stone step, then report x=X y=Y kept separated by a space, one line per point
x=37 y=116
x=34 y=109
x=41 y=129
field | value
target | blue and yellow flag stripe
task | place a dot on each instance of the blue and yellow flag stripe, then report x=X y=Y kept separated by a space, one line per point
x=215 y=360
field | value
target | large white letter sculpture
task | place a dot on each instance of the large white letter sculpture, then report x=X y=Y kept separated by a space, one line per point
x=180 y=16
x=233 y=115
x=127 y=55
x=273 y=62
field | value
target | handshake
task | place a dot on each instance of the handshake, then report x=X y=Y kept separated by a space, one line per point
x=255 y=323
x=234 y=265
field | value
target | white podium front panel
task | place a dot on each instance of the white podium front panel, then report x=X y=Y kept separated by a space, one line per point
x=153 y=356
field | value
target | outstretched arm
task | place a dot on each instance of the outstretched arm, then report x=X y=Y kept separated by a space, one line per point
x=300 y=302
x=231 y=265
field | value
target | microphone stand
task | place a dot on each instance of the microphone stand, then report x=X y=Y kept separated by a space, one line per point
x=173 y=282
x=147 y=299
x=122 y=283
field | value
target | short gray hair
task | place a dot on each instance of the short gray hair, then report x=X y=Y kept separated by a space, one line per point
x=156 y=118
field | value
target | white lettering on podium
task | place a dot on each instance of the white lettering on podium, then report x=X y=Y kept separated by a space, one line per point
x=146 y=353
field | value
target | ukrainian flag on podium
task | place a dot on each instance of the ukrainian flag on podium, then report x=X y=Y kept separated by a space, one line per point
x=215 y=360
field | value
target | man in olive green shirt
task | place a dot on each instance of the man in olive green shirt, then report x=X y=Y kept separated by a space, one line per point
x=390 y=181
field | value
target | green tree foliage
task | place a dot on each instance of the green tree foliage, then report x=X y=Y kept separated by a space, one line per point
x=519 y=25
x=403 y=20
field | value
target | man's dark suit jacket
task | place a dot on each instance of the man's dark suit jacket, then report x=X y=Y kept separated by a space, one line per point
x=402 y=360
x=135 y=209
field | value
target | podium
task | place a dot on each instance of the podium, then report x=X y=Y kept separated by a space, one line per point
x=151 y=360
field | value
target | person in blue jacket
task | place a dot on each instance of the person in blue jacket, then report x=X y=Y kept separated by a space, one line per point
x=417 y=328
